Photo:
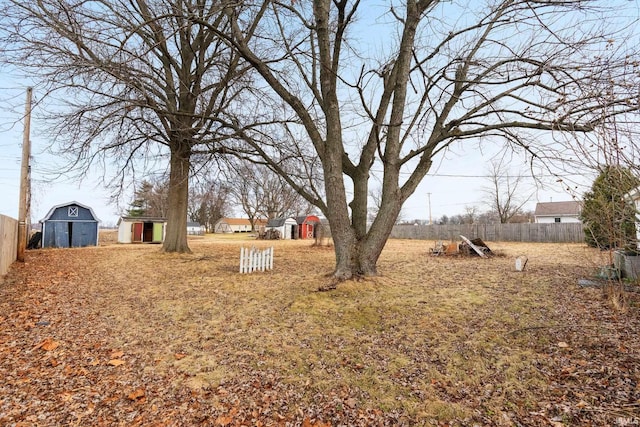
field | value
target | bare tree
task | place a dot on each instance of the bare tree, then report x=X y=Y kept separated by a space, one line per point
x=510 y=70
x=129 y=82
x=505 y=193
x=470 y=214
x=245 y=192
x=375 y=203
x=209 y=201
x=279 y=199
x=150 y=199
x=261 y=193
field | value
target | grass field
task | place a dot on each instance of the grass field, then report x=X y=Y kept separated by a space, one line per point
x=126 y=335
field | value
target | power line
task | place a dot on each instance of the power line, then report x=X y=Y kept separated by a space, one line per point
x=443 y=175
x=447 y=175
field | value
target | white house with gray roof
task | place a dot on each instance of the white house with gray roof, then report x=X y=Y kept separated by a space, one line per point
x=558 y=212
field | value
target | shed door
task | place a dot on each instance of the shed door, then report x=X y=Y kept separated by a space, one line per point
x=136 y=229
x=52 y=230
x=147 y=232
x=83 y=234
x=157 y=231
x=60 y=234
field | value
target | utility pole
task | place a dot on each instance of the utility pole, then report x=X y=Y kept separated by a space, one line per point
x=429 y=197
x=23 y=208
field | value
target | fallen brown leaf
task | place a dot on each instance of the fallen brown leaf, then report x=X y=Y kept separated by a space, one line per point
x=308 y=423
x=47 y=345
x=223 y=420
x=136 y=394
x=116 y=362
x=116 y=355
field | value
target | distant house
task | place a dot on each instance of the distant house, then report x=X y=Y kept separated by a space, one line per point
x=558 y=212
x=194 y=228
x=287 y=227
x=141 y=229
x=236 y=225
x=634 y=197
x=307 y=226
x=69 y=225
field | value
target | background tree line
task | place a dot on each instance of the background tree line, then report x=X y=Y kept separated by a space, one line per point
x=250 y=190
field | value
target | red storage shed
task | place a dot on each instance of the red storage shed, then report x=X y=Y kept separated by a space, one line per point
x=307 y=226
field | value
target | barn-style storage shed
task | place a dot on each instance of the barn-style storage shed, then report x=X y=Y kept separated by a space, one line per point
x=287 y=227
x=70 y=225
x=141 y=229
x=307 y=226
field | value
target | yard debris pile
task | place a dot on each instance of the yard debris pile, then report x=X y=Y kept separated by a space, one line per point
x=270 y=234
x=467 y=247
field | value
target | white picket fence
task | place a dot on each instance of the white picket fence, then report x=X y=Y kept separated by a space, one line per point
x=252 y=259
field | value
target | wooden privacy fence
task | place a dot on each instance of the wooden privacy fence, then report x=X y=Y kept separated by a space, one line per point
x=252 y=259
x=522 y=232
x=8 y=242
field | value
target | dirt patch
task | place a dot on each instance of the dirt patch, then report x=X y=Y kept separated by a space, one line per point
x=126 y=335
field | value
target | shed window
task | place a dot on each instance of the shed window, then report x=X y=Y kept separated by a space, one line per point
x=73 y=211
x=557 y=219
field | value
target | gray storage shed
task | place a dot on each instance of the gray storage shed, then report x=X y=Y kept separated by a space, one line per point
x=70 y=225
x=287 y=227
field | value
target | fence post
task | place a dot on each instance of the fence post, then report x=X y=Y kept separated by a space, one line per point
x=271 y=258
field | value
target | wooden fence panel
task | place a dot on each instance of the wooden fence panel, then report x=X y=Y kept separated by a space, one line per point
x=8 y=243
x=252 y=259
x=523 y=232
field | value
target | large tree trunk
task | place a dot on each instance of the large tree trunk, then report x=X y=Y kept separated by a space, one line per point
x=358 y=258
x=357 y=253
x=357 y=249
x=176 y=233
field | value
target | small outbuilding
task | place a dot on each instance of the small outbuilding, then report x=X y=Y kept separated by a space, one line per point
x=286 y=227
x=307 y=226
x=70 y=225
x=194 y=228
x=141 y=229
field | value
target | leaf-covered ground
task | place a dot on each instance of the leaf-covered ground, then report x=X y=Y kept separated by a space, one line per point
x=126 y=335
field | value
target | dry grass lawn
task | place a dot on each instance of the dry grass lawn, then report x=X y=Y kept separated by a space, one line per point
x=146 y=338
